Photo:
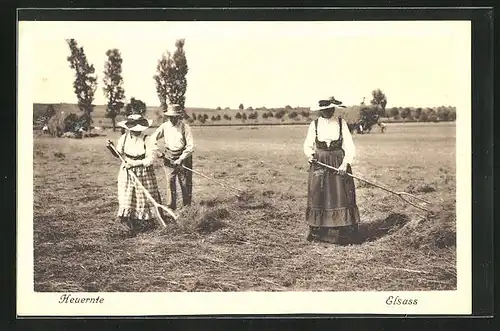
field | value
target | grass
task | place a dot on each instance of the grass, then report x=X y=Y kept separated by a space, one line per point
x=255 y=242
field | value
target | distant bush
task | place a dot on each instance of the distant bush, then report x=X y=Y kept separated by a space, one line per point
x=305 y=114
x=423 y=117
x=217 y=118
x=280 y=114
x=218 y=108
x=270 y=114
x=443 y=113
x=250 y=108
x=394 y=112
x=433 y=117
x=415 y=113
x=135 y=106
x=205 y=116
x=405 y=113
x=288 y=107
x=241 y=107
x=293 y=114
x=244 y=116
x=253 y=116
x=201 y=119
x=238 y=115
x=453 y=115
x=264 y=115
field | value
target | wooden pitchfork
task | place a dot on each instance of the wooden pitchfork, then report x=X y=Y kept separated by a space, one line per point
x=157 y=206
x=399 y=194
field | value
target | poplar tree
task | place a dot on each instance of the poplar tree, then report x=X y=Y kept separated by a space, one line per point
x=170 y=78
x=85 y=83
x=113 y=84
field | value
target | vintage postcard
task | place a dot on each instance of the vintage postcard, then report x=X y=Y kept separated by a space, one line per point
x=244 y=167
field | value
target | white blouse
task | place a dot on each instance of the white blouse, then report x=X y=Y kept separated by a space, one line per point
x=328 y=131
x=172 y=138
x=134 y=146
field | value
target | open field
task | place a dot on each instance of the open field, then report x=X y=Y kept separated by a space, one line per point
x=255 y=243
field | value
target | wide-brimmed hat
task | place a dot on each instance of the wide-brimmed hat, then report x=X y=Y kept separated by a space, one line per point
x=173 y=110
x=135 y=122
x=330 y=103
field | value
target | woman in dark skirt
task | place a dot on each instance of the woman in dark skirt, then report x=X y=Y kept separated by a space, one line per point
x=332 y=213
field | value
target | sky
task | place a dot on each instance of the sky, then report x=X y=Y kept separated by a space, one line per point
x=271 y=64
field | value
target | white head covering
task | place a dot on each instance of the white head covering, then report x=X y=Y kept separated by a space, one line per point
x=135 y=122
x=327 y=104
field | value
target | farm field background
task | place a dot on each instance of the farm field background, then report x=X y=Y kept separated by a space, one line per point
x=251 y=244
x=152 y=112
x=227 y=117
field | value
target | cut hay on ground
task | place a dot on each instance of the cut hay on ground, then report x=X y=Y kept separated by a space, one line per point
x=255 y=242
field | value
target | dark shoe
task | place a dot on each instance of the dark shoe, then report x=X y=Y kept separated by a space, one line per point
x=309 y=236
x=123 y=231
x=135 y=227
x=149 y=225
x=312 y=234
x=127 y=222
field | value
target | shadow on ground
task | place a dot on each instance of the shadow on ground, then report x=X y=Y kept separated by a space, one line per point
x=373 y=230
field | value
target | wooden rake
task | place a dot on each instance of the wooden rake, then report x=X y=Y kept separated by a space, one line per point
x=157 y=206
x=212 y=179
x=401 y=195
x=223 y=185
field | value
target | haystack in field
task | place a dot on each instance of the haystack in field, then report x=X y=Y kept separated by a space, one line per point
x=350 y=114
x=63 y=122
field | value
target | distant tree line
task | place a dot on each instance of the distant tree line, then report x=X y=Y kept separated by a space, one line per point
x=171 y=85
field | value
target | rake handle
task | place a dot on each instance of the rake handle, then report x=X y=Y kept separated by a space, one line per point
x=357 y=177
x=399 y=194
x=146 y=192
x=202 y=175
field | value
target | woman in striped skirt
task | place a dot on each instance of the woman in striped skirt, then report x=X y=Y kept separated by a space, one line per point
x=138 y=151
x=332 y=213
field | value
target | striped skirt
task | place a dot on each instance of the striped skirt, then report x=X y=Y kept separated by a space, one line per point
x=133 y=203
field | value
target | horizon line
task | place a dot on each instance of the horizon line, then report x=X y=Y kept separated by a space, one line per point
x=245 y=108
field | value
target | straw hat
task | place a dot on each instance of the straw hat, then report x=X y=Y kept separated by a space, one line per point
x=135 y=122
x=330 y=103
x=173 y=110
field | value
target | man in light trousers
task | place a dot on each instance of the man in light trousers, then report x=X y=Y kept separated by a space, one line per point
x=178 y=150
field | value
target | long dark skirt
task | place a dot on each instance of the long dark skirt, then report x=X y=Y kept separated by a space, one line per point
x=332 y=213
